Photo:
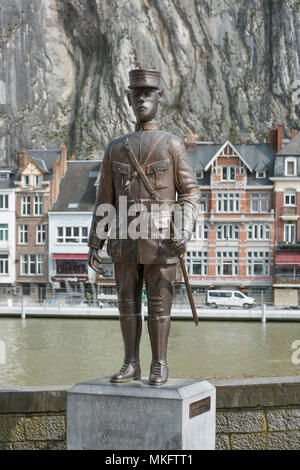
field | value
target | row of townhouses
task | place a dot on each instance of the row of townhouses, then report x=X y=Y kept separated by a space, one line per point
x=247 y=235
x=46 y=209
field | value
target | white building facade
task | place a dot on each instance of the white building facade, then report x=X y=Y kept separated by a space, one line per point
x=7 y=232
x=69 y=224
x=68 y=249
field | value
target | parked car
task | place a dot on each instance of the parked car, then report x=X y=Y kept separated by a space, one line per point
x=228 y=298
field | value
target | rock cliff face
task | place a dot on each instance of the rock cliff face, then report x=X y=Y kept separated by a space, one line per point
x=230 y=68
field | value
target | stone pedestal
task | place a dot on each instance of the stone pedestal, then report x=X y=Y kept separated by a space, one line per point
x=179 y=415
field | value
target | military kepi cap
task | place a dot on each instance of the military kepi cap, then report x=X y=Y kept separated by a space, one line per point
x=140 y=78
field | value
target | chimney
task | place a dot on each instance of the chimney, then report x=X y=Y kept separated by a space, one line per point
x=63 y=150
x=276 y=138
x=279 y=137
x=273 y=139
x=190 y=144
x=293 y=133
x=52 y=199
x=22 y=159
x=55 y=179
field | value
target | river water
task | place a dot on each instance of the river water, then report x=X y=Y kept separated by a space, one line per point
x=67 y=351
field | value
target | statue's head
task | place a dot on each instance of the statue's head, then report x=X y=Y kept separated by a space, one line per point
x=145 y=93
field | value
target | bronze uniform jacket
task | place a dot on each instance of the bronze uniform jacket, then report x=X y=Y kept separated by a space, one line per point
x=171 y=176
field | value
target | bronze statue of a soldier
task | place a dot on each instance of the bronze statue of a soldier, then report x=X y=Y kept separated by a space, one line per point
x=145 y=166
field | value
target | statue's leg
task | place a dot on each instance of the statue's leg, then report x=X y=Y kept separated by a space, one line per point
x=129 y=282
x=160 y=288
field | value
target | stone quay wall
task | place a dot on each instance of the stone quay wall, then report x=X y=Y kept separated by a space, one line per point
x=33 y=418
x=252 y=413
x=258 y=413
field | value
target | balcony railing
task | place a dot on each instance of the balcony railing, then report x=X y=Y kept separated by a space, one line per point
x=286 y=279
x=286 y=246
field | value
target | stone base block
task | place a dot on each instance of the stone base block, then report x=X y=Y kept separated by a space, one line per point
x=179 y=415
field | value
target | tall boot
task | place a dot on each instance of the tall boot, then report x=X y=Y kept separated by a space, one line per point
x=158 y=328
x=131 y=328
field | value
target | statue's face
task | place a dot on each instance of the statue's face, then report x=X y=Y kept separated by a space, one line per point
x=144 y=102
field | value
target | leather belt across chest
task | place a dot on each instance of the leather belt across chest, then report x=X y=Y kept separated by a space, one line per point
x=139 y=167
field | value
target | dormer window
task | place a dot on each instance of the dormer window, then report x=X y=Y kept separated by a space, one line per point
x=290 y=167
x=38 y=181
x=260 y=174
x=25 y=180
x=199 y=176
x=3 y=176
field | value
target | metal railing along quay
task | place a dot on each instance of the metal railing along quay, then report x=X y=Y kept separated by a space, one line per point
x=180 y=311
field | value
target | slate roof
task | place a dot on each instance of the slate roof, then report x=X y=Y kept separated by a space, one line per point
x=8 y=183
x=77 y=187
x=292 y=148
x=41 y=164
x=45 y=158
x=202 y=155
x=259 y=157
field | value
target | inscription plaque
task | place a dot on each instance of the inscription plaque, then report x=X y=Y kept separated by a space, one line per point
x=199 y=407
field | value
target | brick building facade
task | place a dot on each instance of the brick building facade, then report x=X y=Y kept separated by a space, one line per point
x=286 y=181
x=233 y=245
x=36 y=188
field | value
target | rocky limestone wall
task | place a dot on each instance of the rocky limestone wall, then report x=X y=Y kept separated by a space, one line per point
x=230 y=69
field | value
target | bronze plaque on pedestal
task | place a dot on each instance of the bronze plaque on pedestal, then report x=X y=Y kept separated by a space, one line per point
x=199 y=407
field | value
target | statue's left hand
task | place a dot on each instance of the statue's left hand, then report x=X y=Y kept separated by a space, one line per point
x=94 y=260
x=178 y=246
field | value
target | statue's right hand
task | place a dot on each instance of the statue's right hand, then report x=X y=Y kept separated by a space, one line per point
x=94 y=260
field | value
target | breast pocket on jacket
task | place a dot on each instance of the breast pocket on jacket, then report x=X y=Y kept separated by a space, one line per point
x=158 y=173
x=121 y=173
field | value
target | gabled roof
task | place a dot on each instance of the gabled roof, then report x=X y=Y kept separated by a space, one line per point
x=44 y=160
x=292 y=148
x=255 y=156
x=77 y=190
x=45 y=156
x=41 y=164
x=220 y=151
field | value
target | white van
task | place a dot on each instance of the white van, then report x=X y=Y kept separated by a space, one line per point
x=229 y=298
